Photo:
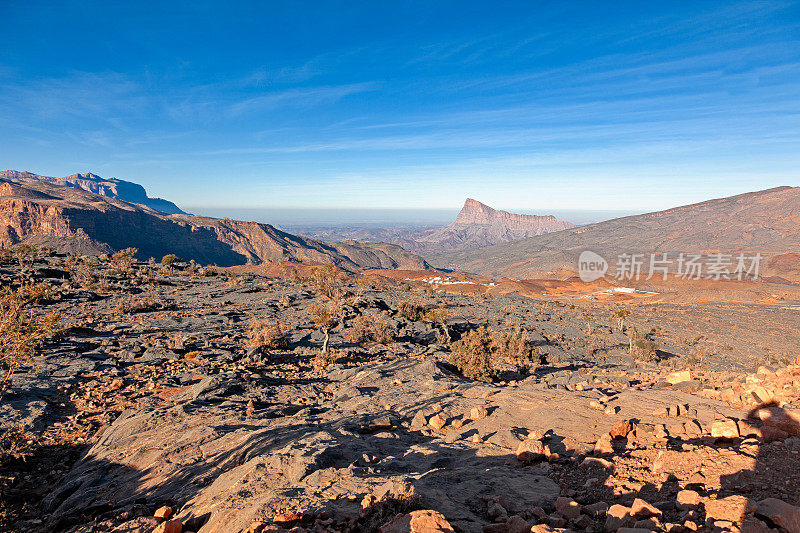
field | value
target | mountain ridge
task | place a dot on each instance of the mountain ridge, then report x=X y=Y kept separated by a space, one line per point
x=766 y=221
x=476 y=225
x=112 y=187
x=69 y=218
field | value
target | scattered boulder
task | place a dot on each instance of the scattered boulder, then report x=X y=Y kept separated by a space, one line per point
x=621 y=429
x=780 y=513
x=425 y=521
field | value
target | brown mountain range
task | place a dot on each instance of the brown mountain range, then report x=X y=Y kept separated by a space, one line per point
x=766 y=222
x=475 y=226
x=69 y=218
x=113 y=187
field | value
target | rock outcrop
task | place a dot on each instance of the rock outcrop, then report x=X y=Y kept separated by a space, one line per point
x=479 y=225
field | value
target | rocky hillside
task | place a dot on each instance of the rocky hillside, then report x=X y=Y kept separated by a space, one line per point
x=477 y=225
x=766 y=221
x=113 y=187
x=72 y=219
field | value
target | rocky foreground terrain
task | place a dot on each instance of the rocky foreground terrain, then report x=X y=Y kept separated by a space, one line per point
x=180 y=398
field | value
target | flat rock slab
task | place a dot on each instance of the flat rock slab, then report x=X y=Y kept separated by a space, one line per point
x=213 y=458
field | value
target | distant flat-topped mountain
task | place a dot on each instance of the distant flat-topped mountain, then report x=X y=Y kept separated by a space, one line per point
x=69 y=218
x=766 y=221
x=113 y=187
x=475 y=226
x=479 y=225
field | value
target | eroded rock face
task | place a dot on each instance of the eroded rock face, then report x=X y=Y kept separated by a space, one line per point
x=114 y=188
x=73 y=220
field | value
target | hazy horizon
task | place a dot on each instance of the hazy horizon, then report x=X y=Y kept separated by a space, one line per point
x=382 y=218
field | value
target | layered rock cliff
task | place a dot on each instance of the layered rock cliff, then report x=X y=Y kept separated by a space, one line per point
x=70 y=218
x=113 y=187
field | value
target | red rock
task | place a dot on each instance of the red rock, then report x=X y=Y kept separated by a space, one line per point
x=688 y=498
x=172 y=526
x=425 y=521
x=621 y=429
x=642 y=509
x=256 y=527
x=163 y=513
x=731 y=508
x=679 y=377
x=530 y=450
x=286 y=519
x=603 y=446
x=782 y=514
x=725 y=429
x=617 y=516
x=515 y=524
x=478 y=413
x=437 y=422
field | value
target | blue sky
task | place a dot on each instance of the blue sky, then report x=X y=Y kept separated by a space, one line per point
x=529 y=105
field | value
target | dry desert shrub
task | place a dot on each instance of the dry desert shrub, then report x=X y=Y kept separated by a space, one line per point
x=22 y=331
x=122 y=261
x=515 y=348
x=478 y=352
x=266 y=333
x=385 y=510
x=412 y=311
x=371 y=328
x=642 y=347
x=39 y=292
x=325 y=317
x=131 y=305
x=86 y=273
x=327 y=281
x=439 y=316
x=473 y=354
x=26 y=254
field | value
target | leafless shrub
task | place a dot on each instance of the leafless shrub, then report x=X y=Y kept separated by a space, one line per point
x=439 y=316
x=266 y=333
x=15 y=444
x=371 y=328
x=385 y=510
x=38 y=292
x=473 y=355
x=22 y=331
x=327 y=281
x=411 y=310
x=26 y=254
x=325 y=316
x=122 y=261
x=131 y=305
x=478 y=352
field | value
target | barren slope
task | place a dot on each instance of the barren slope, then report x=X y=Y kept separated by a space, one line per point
x=765 y=221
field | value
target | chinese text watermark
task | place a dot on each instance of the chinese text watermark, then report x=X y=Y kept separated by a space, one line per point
x=633 y=266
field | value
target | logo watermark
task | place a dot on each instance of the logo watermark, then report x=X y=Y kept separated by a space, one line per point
x=632 y=266
x=591 y=266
